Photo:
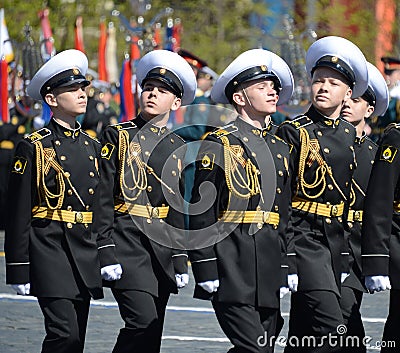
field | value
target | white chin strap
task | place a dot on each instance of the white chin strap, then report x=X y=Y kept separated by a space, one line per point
x=245 y=94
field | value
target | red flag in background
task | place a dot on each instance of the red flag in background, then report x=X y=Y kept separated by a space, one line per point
x=128 y=110
x=47 y=45
x=102 y=51
x=176 y=34
x=4 y=112
x=79 y=34
x=135 y=50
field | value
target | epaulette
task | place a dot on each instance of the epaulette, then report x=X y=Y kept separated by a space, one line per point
x=124 y=126
x=225 y=130
x=92 y=137
x=38 y=135
x=279 y=139
x=300 y=121
x=391 y=126
x=179 y=137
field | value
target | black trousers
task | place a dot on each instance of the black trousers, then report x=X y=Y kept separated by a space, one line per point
x=65 y=323
x=143 y=315
x=314 y=323
x=250 y=329
x=350 y=302
x=391 y=333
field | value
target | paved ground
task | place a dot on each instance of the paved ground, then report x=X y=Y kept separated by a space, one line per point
x=190 y=324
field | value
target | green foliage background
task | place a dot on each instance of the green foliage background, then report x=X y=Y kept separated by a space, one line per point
x=215 y=30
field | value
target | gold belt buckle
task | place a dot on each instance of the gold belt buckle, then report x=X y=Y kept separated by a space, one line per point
x=155 y=212
x=78 y=217
x=334 y=211
x=266 y=216
x=357 y=215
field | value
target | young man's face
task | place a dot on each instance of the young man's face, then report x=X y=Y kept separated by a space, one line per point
x=70 y=100
x=356 y=110
x=261 y=97
x=328 y=90
x=204 y=83
x=157 y=99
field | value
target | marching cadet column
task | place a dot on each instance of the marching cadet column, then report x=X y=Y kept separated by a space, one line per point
x=50 y=250
x=239 y=206
x=356 y=111
x=141 y=201
x=321 y=166
x=380 y=244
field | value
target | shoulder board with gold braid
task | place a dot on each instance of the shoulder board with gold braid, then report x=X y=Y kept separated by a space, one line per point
x=92 y=137
x=299 y=122
x=124 y=126
x=392 y=126
x=225 y=130
x=178 y=137
x=279 y=139
x=38 y=135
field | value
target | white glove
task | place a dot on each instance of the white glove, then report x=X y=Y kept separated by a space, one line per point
x=283 y=291
x=377 y=283
x=210 y=286
x=343 y=276
x=111 y=272
x=22 y=289
x=181 y=279
x=293 y=282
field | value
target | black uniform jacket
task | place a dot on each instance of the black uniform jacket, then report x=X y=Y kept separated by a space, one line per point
x=10 y=134
x=381 y=219
x=316 y=246
x=150 y=250
x=248 y=259
x=58 y=258
x=365 y=150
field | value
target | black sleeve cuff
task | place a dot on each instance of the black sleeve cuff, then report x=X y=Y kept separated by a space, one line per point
x=375 y=265
x=17 y=274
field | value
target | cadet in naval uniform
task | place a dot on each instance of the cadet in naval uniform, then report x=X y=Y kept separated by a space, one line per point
x=380 y=244
x=50 y=250
x=356 y=111
x=10 y=134
x=322 y=164
x=239 y=206
x=141 y=201
x=392 y=114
